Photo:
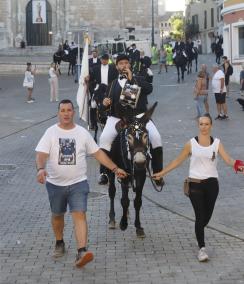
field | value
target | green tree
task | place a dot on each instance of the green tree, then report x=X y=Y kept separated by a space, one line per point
x=177 y=26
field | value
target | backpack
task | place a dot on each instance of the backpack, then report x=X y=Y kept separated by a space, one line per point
x=230 y=71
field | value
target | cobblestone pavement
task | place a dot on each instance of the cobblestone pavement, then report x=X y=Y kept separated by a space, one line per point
x=168 y=253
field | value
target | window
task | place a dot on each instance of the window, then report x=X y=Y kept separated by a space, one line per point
x=212 y=17
x=241 y=41
x=166 y=24
x=162 y=25
x=205 y=20
x=195 y=20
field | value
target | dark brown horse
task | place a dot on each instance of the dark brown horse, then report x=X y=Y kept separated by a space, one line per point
x=180 y=62
x=130 y=151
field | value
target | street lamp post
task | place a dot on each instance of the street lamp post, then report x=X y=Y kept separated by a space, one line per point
x=152 y=22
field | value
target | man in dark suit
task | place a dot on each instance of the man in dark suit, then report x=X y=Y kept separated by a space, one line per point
x=102 y=74
x=94 y=61
x=134 y=55
x=179 y=45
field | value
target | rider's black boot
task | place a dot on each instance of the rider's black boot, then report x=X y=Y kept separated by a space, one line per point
x=157 y=163
x=103 y=178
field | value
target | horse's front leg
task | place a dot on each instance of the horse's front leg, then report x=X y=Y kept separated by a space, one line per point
x=111 y=192
x=138 y=202
x=182 y=73
x=69 y=69
x=178 y=73
x=125 y=202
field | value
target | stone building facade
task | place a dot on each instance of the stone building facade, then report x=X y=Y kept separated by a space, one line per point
x=233 y=14
x=105 y=19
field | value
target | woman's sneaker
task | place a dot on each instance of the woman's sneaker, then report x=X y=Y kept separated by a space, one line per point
x=202 y=255
x=82 y=258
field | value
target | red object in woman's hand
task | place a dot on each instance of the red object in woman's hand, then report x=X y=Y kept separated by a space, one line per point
x=238 y=163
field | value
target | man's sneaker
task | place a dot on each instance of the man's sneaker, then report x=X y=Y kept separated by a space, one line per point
x=82 y=258
x=218 y=117
x=30 y=101
x=59 y=250
x=225 y=116
x=202 y=255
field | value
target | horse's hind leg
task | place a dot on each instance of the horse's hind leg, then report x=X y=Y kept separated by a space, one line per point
x=196 y=64
x=111 y=192
x=125 y=202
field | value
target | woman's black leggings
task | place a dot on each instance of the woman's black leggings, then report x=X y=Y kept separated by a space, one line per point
x=203 y=196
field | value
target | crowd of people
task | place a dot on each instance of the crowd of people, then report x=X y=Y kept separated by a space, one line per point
x=61 y=152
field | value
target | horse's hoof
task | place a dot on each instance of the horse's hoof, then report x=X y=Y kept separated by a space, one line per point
x=112 y=225
x=123 y=225
x=140 y=233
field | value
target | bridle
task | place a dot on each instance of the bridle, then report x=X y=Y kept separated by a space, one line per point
x=128 y=155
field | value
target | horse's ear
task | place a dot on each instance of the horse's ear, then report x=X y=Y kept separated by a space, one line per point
x=146 y=117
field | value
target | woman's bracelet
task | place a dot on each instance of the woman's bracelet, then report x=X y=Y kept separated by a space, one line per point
x=40 y=169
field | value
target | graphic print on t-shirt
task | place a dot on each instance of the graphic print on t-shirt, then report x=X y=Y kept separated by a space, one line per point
x=67 y=151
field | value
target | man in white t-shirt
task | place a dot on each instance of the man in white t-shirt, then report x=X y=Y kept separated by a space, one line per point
x=219 y=90
x=61 y=163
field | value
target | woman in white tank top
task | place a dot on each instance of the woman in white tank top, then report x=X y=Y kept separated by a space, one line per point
x=203 y=151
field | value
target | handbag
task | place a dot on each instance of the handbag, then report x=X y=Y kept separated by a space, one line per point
x=186 y=186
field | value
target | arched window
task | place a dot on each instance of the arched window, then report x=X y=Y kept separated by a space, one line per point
x=38 y=34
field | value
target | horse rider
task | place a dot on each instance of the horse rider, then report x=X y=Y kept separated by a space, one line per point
x=102 y=73
x=66 y=47
x=113 y=103
x=145 y=70
x=179 y=47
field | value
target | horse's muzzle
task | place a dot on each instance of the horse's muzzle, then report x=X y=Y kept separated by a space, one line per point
x=140 y=160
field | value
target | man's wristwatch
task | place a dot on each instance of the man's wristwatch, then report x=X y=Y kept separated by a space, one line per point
x=40 y=169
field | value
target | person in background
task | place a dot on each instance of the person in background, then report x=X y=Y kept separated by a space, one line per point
x=94 y=60
x=162 y=60
x=219 y=90
x=53 y=81
x=29 y=82
x=201 y=93
x=228 y=71
x=203 y=151
x=242 y=80
x=207 y=76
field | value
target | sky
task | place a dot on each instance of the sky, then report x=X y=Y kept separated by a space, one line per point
x=173 y=5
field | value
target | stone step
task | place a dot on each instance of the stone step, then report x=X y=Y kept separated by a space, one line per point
x=29 y=50
x=20 y=67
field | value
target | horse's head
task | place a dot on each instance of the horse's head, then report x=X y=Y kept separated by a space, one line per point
x=137 y=139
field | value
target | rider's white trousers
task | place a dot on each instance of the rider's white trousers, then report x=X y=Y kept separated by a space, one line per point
x=109 y=133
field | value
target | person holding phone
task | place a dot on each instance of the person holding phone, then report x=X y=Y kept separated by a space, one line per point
x=29 y=82
x=53 y=80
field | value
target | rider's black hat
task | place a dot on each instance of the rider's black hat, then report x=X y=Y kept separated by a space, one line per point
x=122 y=57
x=105 y=56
